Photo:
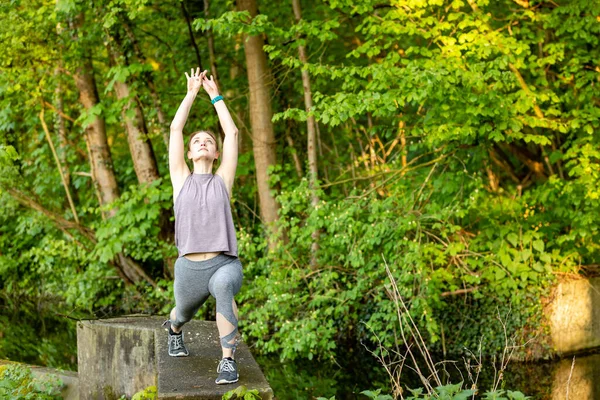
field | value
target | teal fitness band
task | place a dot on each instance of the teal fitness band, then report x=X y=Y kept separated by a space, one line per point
x=219 y=97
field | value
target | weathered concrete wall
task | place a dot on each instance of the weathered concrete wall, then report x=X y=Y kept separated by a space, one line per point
x=575 y=316
x=194 y=377
x=126 y=355
x=577 y=381
x=116 y=357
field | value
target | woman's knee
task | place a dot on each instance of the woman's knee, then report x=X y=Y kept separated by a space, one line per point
x=222 y=289
x=223 y=284
x=228 y=280
x=181 y=319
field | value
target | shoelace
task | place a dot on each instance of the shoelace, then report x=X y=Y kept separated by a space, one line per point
x=178 y=339
x=226 y=365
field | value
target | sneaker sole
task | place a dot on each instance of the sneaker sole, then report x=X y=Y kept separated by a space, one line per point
x=224 y=382
x=179 y=354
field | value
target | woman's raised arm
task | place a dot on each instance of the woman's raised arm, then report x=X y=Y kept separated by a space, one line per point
x=229 y=157
x=178 y=169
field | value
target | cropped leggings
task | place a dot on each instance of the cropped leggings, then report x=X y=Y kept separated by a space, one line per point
x=220 y=277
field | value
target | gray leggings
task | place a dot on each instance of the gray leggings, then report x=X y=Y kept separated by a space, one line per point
x=220 y=276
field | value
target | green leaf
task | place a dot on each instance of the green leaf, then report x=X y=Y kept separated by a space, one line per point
x=500 y=274
x=513 y=239
x=516 y=395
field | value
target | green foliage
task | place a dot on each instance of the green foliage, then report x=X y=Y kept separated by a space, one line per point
x=455 y=83
x=458 y=145
x=376 y=395
x=242 y=392
x=18 y=383
x=456 y=392
x=150 y=393
x=424 y=233
x=446 y=392
x=504 y=395
x=135 y=225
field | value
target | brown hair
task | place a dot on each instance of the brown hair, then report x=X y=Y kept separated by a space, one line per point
x=212 y=135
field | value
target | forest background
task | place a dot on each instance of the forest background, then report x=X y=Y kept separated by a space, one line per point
x=456 y=142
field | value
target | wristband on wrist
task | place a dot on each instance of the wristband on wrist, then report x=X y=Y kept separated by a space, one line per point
x=219 y=97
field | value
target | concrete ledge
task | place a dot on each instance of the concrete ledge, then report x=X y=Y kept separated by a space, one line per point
x=581 y=378
x=116 y=357
x=194 y=377
x=575 y=316
x=123 y=356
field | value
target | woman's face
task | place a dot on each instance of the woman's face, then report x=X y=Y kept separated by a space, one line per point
x=202 y=146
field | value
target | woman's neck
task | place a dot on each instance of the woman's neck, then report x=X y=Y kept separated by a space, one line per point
x=203 y=167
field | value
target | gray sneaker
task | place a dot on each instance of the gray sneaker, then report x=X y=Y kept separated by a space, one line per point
x=176 y=346
x=228 y=372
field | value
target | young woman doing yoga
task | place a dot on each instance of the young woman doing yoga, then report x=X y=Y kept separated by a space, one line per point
x=208 y=262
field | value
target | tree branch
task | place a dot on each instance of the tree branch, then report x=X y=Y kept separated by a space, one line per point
x=460 y=291
x=522 y=3
x=59 y=221
x=65 y=116
x=59 y=166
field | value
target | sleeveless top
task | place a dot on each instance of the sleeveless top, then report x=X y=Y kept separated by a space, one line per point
x=203 y=221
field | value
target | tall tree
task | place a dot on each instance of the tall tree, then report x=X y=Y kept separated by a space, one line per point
x=149 y=79
x=140 y=146
x=99 y=152
x=263 y=136
x=313 y=171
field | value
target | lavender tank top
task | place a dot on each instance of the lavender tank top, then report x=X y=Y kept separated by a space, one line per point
x=203 y=221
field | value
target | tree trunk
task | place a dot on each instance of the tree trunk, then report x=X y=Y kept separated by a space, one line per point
x=263 y=137
x=295 y=157
x=140 y=146
x=101 y=162
x=313 y=171
x=149 y=78
x=95 y=136
x=144 y=162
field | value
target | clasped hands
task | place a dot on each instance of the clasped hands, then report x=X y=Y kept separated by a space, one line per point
x=198 y=79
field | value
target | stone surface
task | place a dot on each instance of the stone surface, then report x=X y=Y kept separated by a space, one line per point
x=575 y=316
x=579 y=380
x=116 y=357
x=125 y=355
x=194 y=377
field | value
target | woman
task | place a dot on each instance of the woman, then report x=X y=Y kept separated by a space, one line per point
x=204 y=231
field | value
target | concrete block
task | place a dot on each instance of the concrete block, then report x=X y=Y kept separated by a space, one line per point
x=194 y=377
x=125 y=355
x=116 y=357
x=577 y=380
x=575 y=316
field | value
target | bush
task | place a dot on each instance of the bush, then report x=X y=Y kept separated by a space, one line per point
x=18 y=383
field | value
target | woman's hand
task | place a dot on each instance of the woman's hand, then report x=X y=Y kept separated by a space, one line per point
x=210 y=86
x=195 y=79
